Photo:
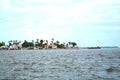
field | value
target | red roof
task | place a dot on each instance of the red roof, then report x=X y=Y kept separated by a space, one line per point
x=51 y=45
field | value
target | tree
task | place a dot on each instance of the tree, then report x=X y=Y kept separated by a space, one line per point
x=2 y=44
x=61 y=46
x=46 y=41
x=30 y=44
x=72 y=43
x=25 y=44
x=41 y=45
x=37 y=42
x=41 y=41
x=57 y=42
x=52 y=40
x=33 y=41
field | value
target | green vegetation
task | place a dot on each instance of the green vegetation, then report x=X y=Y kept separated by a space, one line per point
x=61 y=46
x=2 y=44
x=27 y=44
x=41 y=43
x=73 y=44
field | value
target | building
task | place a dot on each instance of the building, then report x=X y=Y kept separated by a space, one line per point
x=14 y=45
x=53 y=46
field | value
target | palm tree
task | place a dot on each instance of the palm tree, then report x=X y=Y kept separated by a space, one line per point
x=33 y=43
x=41 y=41
x=47 y=41
x=72 y=43
x=57 y=42
x=37 y=41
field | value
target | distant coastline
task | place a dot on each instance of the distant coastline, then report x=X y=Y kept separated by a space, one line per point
x=40 y=44
x=109 y=47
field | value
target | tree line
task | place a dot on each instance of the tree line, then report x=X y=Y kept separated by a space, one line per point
x=40 y=43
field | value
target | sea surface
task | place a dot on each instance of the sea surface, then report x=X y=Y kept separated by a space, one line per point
x=65 y=64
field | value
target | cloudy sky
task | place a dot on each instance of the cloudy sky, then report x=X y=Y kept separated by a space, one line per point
x=87 y=22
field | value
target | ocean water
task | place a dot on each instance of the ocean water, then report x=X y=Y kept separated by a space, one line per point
x=82 y=64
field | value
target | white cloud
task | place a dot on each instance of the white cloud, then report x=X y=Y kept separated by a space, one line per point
x=6 y=3
x=46 y=20
x=82 y=12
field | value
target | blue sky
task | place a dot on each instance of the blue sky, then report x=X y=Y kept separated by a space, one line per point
x=87 y=22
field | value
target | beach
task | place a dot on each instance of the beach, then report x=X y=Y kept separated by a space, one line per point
x=64 y=64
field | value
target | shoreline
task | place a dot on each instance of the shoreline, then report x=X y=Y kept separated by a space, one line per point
x=85 y=48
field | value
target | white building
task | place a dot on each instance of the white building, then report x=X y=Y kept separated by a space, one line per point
x=14 y=45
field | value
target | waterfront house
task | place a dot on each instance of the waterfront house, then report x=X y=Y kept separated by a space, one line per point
x=14 y=44
x=53 y=46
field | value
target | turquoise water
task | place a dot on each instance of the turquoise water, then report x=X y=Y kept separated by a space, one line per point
x=83 y=64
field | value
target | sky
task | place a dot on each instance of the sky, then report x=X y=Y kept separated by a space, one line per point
x=86 y=22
